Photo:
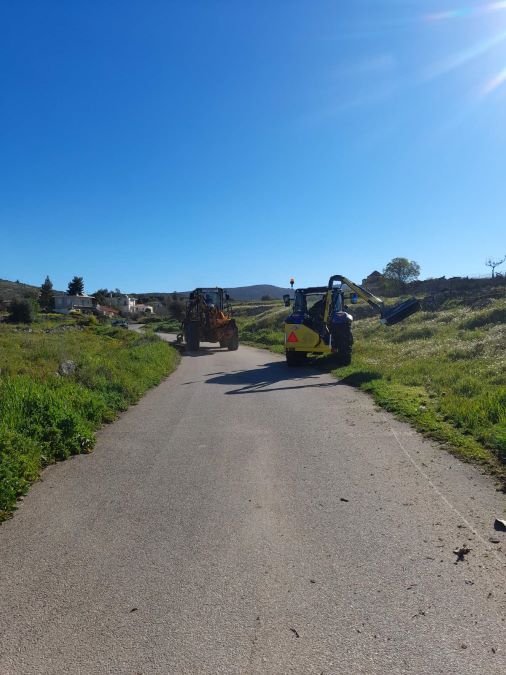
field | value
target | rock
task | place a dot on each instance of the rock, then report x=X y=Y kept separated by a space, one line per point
x=500 y=525
x=461 y=552
x=67 y=368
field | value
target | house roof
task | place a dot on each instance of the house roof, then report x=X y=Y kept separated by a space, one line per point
x=106 y=308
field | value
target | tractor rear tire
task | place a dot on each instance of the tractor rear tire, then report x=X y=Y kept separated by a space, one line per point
x=192 y=336
x=233 y=344
x=344 y=357
x=296 y=358
x=343 y=341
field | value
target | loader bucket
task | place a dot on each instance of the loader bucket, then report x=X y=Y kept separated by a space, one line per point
x=392 y=315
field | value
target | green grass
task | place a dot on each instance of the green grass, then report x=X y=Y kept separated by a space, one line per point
x=168 y=326
x=264 y=328
x=45 y=416
x=444 y=371
x=159 y=325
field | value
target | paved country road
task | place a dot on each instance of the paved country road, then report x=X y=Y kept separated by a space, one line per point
x=249 y=518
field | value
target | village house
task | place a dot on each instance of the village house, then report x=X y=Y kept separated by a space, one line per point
x=158 y=307
x=111 y=312
x=63 y=304
x=144 y=309
x=124 y=303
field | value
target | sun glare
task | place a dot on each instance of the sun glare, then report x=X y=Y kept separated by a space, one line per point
x=474 y=51
x=494 y=83
x=467 y=11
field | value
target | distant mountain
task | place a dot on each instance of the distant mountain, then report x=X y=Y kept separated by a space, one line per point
x=240 y=293
x=257 y=291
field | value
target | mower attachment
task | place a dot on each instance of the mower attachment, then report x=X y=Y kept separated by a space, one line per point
x=392 y=315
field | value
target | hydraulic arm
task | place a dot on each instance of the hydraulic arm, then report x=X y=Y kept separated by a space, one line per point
x=388 y=315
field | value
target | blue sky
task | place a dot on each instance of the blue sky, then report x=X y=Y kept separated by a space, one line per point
x=154 y=145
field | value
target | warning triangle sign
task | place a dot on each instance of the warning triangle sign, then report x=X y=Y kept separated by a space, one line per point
x=292 y=337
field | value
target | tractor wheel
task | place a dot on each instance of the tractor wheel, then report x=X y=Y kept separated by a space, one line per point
x=343 y=341
x=296 y=358
x=344 y=357
x=192 y=336
x=233 y=344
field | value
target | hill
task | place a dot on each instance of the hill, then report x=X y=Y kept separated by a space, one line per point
x=9 y=290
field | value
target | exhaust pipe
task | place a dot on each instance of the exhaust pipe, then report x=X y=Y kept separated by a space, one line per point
x=393 y=315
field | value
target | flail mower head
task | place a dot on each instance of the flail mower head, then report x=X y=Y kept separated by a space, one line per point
x=393 y=315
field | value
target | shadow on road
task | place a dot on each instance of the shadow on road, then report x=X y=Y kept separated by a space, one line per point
x=360 y=377
x=261 y=379
x=203 y=351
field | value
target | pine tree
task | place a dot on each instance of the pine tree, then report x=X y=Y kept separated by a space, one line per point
x=76 y=286
x=46 y=296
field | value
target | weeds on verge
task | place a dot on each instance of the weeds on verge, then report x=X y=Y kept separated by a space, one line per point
x=45 y=416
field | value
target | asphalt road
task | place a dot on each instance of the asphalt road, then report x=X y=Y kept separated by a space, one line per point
x=249 y=518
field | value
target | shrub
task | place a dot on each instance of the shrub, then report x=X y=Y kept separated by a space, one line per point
x=22 y=311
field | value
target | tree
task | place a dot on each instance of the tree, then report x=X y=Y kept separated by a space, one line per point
x=493 y=264
x=76 y=286
x=402 y=270
x=101 y=296
x=46 y=296
x=265 y=298
x=176 y=309
x=22 y=311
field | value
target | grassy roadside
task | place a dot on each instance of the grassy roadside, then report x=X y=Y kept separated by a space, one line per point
x=443 y=371
x=58 y=385
x=261 y=325
x=163 y=326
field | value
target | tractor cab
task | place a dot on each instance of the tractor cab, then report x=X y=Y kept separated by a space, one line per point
x=310 y=304
x=212 y=297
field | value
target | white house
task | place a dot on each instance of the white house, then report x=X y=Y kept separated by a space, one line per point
x=124 y=303
x=63 y=304
x=158 y=307
x=144 y=309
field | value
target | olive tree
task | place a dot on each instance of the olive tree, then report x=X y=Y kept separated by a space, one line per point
x=401 y=271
